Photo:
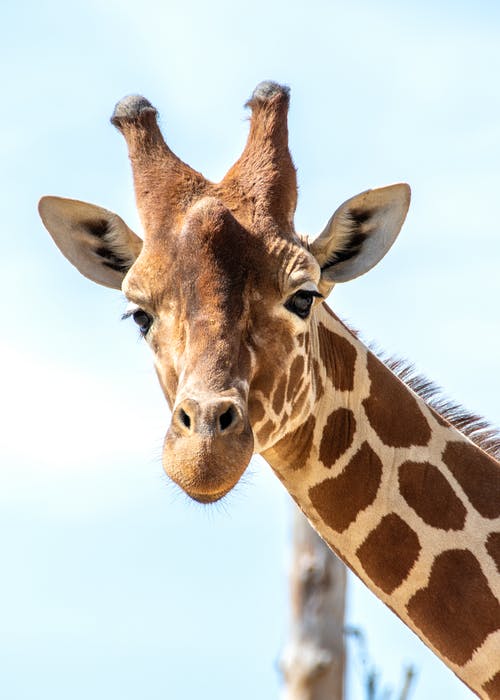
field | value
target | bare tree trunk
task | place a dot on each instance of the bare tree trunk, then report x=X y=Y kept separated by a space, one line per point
x=313 y=661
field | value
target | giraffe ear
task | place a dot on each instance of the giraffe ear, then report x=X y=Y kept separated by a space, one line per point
x=360 y=233
x=96 y=241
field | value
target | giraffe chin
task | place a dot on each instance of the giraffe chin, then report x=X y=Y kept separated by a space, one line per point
x=211 y=498
x=207 y=467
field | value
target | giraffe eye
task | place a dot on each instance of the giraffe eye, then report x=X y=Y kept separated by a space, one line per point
x=300 y=303
x=143 y=320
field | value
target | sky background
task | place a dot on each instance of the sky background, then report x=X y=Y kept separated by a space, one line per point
x=113 y=584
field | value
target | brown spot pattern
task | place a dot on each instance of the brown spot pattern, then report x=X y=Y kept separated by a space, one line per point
x=296 y=373
x=337 y=436
x=299 y=404
x=282 y=341
x=478 y=474
x=284 y=419
x=389 y=552
x=307 y=343
x=263 y=382
x=255 y=410
x=457 y=610
x=392 y=409
x=427 y=491
x=493 y=547
x=294 y=448
x=318 y=383
x=265 y=431
x=309 y=365
x=279 y=395
x=338 y=500
x=492 y=687
x=339 y=358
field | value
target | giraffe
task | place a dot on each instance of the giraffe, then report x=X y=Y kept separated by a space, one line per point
x=251 y=359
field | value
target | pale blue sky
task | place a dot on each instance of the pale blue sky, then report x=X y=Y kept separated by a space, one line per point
x=114 y=585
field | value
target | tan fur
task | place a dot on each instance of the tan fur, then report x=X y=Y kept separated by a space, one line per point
x=250 y=359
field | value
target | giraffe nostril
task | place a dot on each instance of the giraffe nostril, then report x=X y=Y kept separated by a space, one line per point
x=226 y=418
x=185 y=419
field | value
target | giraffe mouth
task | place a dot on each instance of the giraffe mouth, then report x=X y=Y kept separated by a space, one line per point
x=207 y=467
x=207 y=498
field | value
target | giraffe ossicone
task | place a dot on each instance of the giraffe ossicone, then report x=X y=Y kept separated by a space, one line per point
x=250 y=359
x=131 y=107
x=267 y=89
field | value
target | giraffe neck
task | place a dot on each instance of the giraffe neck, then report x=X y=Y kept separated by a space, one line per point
x=406 y=500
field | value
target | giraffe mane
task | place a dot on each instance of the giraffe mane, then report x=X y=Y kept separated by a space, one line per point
x=475 y=427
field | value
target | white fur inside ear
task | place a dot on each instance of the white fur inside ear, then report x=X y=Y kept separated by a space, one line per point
x=361 y=232
x=96 y=241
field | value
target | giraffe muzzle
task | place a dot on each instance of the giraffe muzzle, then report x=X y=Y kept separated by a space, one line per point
x=215 y=417
x=208 y=446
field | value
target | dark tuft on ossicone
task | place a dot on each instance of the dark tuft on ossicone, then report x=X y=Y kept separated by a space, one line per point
x=268 y=89
x=131 y=107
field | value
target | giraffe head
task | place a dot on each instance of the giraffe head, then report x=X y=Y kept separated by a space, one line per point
x=221 y=287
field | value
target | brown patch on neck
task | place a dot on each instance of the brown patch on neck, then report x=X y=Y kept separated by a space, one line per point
x=389 y=552
x=263 y=382
x=307 y=343
x=478 y=474
x=296 y=374
x=255 y=410
x=294 y=449
x=338 y=500
x=300 y=402
x=493 y=548
x=492 y=687
x=457 y=610
x=337 y=436
x=265 y=431
x=392 y=410
x=279 y=395
x=338 y=357
x=447 y=412
x=318 y=383
x=426 y=490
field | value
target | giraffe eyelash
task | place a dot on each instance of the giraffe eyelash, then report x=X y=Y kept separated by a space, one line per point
x=130 y=310
x=300 y=302
x=138 y=314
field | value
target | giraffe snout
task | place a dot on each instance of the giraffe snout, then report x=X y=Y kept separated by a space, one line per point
x=208 y=445
x=212 y=417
